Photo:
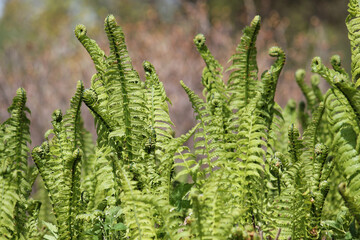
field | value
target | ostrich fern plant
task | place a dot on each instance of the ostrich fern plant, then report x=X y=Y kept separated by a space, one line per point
x=251 y=174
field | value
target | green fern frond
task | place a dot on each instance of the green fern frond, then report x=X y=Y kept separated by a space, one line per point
x=269 y=81
x=208 y=204
x=318 y=190
x=291 y=207
x=88 y=160
x=174 y=147
x=250 y=149
x=105 y=178
x=275 y=129
x=61 y=186
x=72 y=117
x=203 y=139
x=295 y=144
x=315 y=80
x=310 y=141
x=96 y=54
x=157 y=100
x=214 y=87
x=254 y=137
x=126 y=99
x=8 y=199
x=90 y=98
x=32 y=225
x=344 y=126
x=170 y=225
x=289 y=117
x=270 y=111
x=351 y=94
x=306 y=90
x=340 y=114
x=16 y=178
x=350 y=202
x=138 y=215
x=243 y=78
x=289 y=213
x=187 y=164
x=59 y=164
x=212 y=65
x=335 y=61
x=352 y=23
x=329 y=75
x=16 y=139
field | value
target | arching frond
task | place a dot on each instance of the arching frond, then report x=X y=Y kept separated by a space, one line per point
x=243 y=78
x=157 y=103
x=212 y=74
x=352 y=23
x=59 y=164
x=306 y=90
x=126 y=98
x=16 y=178
x=96 y=54
x=336 y=64
x=315 y=80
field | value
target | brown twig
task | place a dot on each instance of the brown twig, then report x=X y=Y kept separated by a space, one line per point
x=278 y=234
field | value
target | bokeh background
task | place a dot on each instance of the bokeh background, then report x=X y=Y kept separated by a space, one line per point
x=38 y=49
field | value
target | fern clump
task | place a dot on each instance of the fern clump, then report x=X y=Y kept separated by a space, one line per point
x=256 y=170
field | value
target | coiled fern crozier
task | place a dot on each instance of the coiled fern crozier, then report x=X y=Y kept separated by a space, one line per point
x=250 y=175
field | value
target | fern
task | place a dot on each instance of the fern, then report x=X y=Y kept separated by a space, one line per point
x=242 y=81
x=58 y=161
x=308 y=93
x=135 y=158
x=16 y=176
x=251 y=173
x=353 y=28
x=315 y=80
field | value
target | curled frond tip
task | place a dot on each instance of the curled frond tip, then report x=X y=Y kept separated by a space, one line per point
x=57 y=115
x=89 y=96
x=110 y=19
x=275 y=51
x=77 y=154
x=300 y=74
x=199 y=40
x=335 y=60
x=148 y=67
x=315 y=80
x=21 y=91
x=80 y=31
x=256 y=20
x=316 y=64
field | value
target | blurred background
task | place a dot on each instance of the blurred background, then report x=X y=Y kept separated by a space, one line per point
x=38 y=49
